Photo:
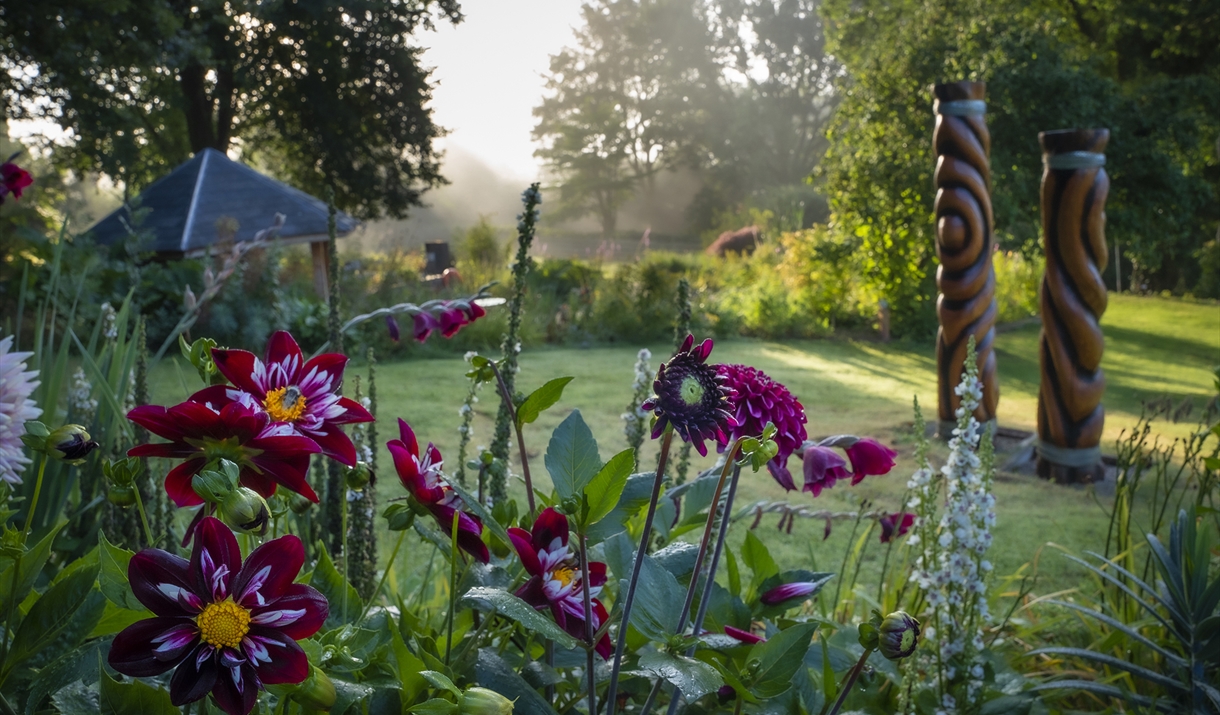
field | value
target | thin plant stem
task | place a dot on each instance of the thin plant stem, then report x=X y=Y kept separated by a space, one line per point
x=402 y=535
x=29 y=516
x=453 y=571
x=589 y=665
x=427 y=575
x=706 y=540
x=629 y=600
x=343 y=544
x=851 y=680
x=740 y=704
x=143 y=518
x=512 y=414
x=652 y=696
x=834 y=605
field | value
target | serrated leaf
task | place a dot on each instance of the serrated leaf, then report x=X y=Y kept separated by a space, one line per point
x=605 y=489
x=756 y=556
x=541 y=399
x=509 y=606
x=338 y=592
x=778 y=658
x=493 y=673
x=694 y=678
x=658 y=601
x=50 y=614
x=115 y=698
x=112 y=578
x=571 y=456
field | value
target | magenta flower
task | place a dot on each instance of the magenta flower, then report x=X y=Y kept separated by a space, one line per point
x=757 y=400
x=743 y=636
x=421 y=475
x=291 y=390
x=692 y=396
x=788 y=591
x=424 y=325
x=901 y=523
x=13 y=180
x=555 y=577
x=823 y=467
x=228 y=628
x=869 y=457
x=451 y=319
x=199 y=434
x=392 y=325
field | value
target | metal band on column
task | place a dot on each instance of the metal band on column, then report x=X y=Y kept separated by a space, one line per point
x=1070 y=413
x=965 y=279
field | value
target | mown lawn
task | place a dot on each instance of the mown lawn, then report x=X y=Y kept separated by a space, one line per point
x=1154 y=347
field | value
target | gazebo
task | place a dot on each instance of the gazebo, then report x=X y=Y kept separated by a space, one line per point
x=210 y=195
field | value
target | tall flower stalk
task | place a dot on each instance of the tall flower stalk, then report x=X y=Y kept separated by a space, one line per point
x=333 y=508
x=511 y=346
x=635 y=418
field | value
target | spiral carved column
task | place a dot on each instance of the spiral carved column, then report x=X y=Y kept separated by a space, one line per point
x=965 y=279
x=1070 y=413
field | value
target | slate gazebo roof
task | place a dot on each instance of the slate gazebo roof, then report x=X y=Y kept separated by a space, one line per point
x=186 y=204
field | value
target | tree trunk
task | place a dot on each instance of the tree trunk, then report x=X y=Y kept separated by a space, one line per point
x=225 y=107
x=192 y=79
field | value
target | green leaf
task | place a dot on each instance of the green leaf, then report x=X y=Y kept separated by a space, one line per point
x=777 y=659
x=75 y=699
x=112 y=579
x=409 y=667
x=604 y=491
x=493 y=673
x=335 y=588
x=730 y=562
x=541 y=399
x=571 y=456
x=117 y=698
x=116 y=618
x=508 y=605
x=435 y=706
x=658 y=601
x=31 y=563
x=348 y=694
x=440 y=681
x=694 y=678
x=78 y=664
x=399 y=517
x=755 y=555
x=50 y=614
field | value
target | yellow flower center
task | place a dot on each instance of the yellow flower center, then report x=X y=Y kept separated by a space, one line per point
x=564 y=575
x=285 y=404
x=223 y=624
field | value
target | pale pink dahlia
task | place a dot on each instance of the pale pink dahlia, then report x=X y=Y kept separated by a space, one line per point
x=16 y=408
x=758 y=399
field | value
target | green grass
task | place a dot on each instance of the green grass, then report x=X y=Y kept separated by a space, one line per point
x=1154 y=347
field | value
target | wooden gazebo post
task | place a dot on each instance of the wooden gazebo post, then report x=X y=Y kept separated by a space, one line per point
x=965 y=279
x=1070 y=413
x=321 y=268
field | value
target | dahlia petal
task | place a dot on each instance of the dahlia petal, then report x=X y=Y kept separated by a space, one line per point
x=534 y=593
x=330 y=364
x=352 y=412
x=603 y=648
x=470 y=530
x=194 y=678
x=268 y=571
x=869 y=457
x=407 y=436
x=215 y=558
x=155 y=576
x=158 y=420
x=704 y=350
x=260 y=482
x=549 y=526
x=743 y=636
x=687 y=343
x=134 y=653
x=236 y=690
x=199 y=418
x=597 y=574
x=178 y=483
x=299 y=597
x=335 y=444
x=525 y=550
x=406 y=465
x=283 y=350
x=167 y=450
x=238 y=368
x=288 y=663
x=291 y=472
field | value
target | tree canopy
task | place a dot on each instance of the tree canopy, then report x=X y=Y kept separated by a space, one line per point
x=327 y=94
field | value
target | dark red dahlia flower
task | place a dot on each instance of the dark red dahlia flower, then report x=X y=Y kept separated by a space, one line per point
x=291 y=390
x=757 y=400
x=421 y=475
x=692 y=396
x=13 y=179
x=869 y=457
x=555 y=577
x=228 y=628
x=823 y=467
x=895 y=525
x=267 y=453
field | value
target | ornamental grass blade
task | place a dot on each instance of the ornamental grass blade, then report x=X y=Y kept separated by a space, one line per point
x=1127 y=630
x=1119 y=663
x=1103 y=689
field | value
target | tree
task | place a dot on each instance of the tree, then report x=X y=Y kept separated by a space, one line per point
x=623 y=103
x=327 y=94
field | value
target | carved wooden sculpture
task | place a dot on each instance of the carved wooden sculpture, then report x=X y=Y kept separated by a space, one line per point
x=1070 y=413
x=966 y=280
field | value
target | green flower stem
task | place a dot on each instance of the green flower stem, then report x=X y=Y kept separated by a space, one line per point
x=393 y=555
x=343 y=542
x=148 y=537
x=834 y=605
x=29 y=516
x=453 y=574
x=652 y=696
x=5 y=707
x=629 y=599
x=512 y=414
x=590 y=664
x=851 y=680
x=707 y=535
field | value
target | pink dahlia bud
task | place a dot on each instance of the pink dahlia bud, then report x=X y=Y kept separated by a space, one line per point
x=869 y=457
x=823 y=467
x=743 y=636
x=891 y=523
x=756 y=400
x=788 y=591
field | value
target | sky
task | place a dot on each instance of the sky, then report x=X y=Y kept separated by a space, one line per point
x=489 y=74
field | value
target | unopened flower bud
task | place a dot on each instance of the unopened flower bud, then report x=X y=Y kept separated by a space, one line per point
x=299 y=504
x=244 y=510
x=69 y=443
x=787 y=591
x=481 y=701
x=359 y=476
x=899 y=635
x=317 y=692
x=123 y=495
